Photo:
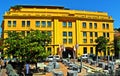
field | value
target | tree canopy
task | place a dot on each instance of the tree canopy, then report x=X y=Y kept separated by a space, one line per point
x=101 y=43
x=118 y=45
x=118 y=29
x=26 y=48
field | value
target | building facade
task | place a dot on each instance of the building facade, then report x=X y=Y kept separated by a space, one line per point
x=70 y=30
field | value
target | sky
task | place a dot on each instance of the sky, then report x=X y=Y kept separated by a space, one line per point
x=112 y=7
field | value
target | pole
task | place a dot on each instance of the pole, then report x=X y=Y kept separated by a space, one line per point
x=63 y=50
x=74 y=53
x=81 y=61
x=108 y=58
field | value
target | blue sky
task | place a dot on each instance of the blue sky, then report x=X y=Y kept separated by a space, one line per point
x=110 y=6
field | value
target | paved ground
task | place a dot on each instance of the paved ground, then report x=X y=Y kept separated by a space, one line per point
x=64 y=69
x=3 y=72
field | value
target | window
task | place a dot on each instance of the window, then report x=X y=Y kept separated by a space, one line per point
x=104 y=35
x=28 y=23
x=107 y=26
x=91 y=40
x=96 y=34
x=9 y=23
x=70 y=40
x=14 y=31
x=64 y=40
x=84 y=24
x=49 y=49
x=49 y=23
x=64 y=33
x=85 y=50
x=95 y=25
x=69 y=24
x=70 y=34
x=91 y=34
x=84 y=34
x=14 y=23
x=84 y=40
x=23 y=33
x=107 y=34
x=91 y=50
x=23 y=23
x=49 y=33
x=43 y=23
x=28 y=32
x=64 y=24
x=103 y=26
x=37 y=23
x=90 y=25
x=43 y=32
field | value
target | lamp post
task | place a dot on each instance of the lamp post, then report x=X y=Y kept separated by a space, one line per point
x=81 y=61
x=75 y=51
x=62 y=48
x=108 y=55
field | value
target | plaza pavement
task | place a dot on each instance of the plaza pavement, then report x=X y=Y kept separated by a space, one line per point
x=62 y=68
x=3 y=72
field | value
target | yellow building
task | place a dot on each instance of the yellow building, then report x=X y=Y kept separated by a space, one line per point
x=69 y=29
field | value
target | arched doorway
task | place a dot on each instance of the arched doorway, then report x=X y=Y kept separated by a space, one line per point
x=68 y=51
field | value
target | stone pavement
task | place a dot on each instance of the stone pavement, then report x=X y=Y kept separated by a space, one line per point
x=3 y=72
x=64 y=69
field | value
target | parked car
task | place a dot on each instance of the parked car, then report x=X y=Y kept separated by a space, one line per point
x=49 y=58
x=85 y=56
x=57 y=57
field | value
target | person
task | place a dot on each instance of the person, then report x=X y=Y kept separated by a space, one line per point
x=27 y=68
x=2 y=64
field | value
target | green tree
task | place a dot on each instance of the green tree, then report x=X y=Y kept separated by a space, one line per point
x=35 y=45
x=118 y=29
x=118 y=47
x=11 y=44
x=26 y=48
x=101 y=44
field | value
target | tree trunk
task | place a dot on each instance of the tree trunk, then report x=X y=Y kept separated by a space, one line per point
x=119 y=54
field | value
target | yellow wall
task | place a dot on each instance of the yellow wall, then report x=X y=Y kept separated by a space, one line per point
x=57 y=16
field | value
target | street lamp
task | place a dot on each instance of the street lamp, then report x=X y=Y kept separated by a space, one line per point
x=108 y=55
x=61 y=49
x=81 y=61
x=75 y=51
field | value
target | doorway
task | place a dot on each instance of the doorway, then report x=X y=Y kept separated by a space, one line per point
x=68 y=52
